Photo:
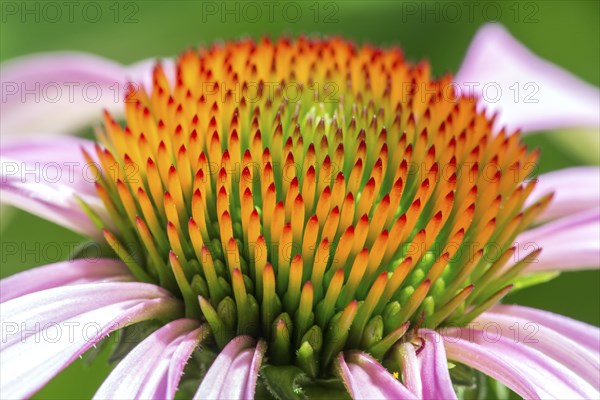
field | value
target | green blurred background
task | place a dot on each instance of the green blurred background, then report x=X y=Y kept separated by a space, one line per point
x=565 y=32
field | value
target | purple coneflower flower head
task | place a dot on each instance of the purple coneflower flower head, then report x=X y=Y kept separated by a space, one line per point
x=309 y=218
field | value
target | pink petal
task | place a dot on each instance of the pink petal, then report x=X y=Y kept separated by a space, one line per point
x=180 y=358
x=528 y=372
x=496 y=62
x=148 y=370
x=45 y=331
x=434 y=367
x=585 y=335
x=237 y=376
x=63 y=92
x=481 y=359
x=568 y=243
x=60 y=303
x=79 y=271
x=411 y=369
x=42 y=176
x=575 y=189
x=217 y=374
x=257 y=359
x=233 y=374
x=240 y=382
x=365 y=378
x=547 y=341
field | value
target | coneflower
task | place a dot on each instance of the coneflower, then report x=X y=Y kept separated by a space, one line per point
x=296 y=217
x=314 y=211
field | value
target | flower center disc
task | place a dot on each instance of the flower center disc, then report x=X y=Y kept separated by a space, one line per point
x=316 y=195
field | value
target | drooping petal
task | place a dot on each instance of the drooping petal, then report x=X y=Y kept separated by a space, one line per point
x=257 y=359
x=42 y=176
x=63 y=92
x=527 y=92
x=79 y=271
x=217 y=374
x=585 y=335
x=233 y=374
x=528 y=372
x=149 y=370
x=481 y=359
x=569 y=243
x=575 y=190
x=180 y=358
x=45 y=331
x=365 y=378
x=425 y=371
x=434 y=367
x=237 y=376
x=411 y=369
x=549 y=342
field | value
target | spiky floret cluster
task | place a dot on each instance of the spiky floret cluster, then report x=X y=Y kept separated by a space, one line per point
x=314 y=194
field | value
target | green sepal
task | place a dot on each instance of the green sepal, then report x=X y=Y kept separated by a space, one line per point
x=322 y=389
x=129 y=337
x=284 y=382
x=329 y=389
